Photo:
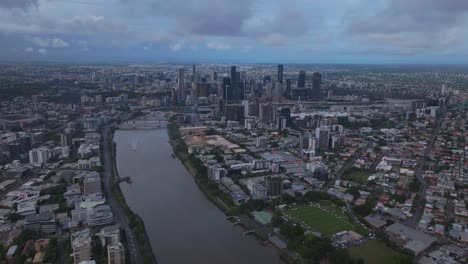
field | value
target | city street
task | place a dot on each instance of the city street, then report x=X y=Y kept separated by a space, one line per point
x=119 y=214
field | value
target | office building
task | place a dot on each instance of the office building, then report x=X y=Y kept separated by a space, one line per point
x=180 y=85
x=41 y=223
x=99 y=215
x=109 y=235
x=81 y=249
x=266 y=113
x=40 y=155
x=273 y=186
x=214 y=76
x=194 y=73
x=287 y=93
x=234 y=85
x=234 y=112
x=301 y=80
x=25 y=142
x=116 y=254
x=66 y=139
x=14 y=150
x=322 y=134
x=281 y=123
x=280 y=73
x=92 y=184
x=316 y=94
x=227 y=91
x=202 y=90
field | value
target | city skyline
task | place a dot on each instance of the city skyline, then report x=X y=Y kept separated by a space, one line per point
x=248 y=31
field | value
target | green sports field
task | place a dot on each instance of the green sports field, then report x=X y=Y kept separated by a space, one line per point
x=375 y=251
x=324 y=218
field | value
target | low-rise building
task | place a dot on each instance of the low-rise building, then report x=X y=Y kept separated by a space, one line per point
x=42 y=223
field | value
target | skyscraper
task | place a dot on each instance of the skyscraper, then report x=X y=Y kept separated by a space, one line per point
x=316 y=87
x=180 y=85
x=322 y=134
x=287 y=93
x=194 y=73
x=233 y=86
x=301 y=81
x=280 y=73
x=227 y=91
x=66 y=139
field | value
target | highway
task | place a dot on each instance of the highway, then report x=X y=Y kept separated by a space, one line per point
x=117 y=209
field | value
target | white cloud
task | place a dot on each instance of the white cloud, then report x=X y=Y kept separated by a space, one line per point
x=42 y=51
x=29 y=49
x=176 y=47
x=218 y=46
x=274 y=40
x=50 y=42
x=246 y=48
x=83 y=44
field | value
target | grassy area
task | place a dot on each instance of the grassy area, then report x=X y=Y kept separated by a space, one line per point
x=356 y=176
x=325 y=218
x=375 y=251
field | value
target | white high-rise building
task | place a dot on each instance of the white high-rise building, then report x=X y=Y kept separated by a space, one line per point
x=39 y=155
x=116 y=254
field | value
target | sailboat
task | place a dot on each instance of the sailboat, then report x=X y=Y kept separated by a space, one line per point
x=134 y=145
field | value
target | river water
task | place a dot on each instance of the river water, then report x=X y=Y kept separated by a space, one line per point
x=182 y=224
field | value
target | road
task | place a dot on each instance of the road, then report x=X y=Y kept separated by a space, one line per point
x=19 y=181
x=119 y=213
x=349 y=163
x=419 y=203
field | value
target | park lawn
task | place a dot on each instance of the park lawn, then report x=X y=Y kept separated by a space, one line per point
x=373 y=251
x=327 y=223
x=357 y=176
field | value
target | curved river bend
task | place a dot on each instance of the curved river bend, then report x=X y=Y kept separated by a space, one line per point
x=182 y=224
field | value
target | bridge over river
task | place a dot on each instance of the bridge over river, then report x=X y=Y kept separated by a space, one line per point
x=154 y=120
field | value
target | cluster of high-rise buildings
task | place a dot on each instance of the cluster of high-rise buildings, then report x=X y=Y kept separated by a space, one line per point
x=235 y=86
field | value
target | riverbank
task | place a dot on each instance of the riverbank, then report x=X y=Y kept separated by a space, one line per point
x=197 y=169
x=211 y=190
x=135 y=222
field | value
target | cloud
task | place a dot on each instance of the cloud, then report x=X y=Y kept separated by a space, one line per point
x=200 y=17
x=29 y=49
x=91 y=25
x=274 y=40
x=415 y=24
x=83 y=44
x=50 y=42
x=19 y=4
x=42 y=51
x=246 y=48
x=176 y=46
x=218 y=46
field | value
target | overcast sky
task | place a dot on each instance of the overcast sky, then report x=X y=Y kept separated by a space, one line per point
x=277 y=31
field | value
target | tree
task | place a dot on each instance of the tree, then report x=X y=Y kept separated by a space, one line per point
x=414 y=185
x=51 y=251
x=13 y=217
x=276 y=220
x=354 y=191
